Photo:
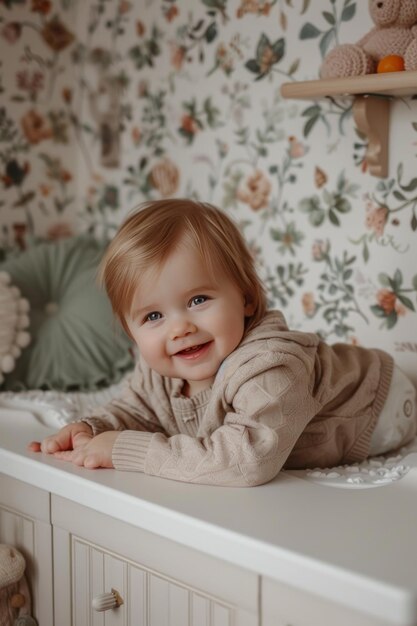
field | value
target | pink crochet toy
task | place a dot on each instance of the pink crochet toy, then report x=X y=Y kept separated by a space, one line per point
x=395 y=32
x=15 y=601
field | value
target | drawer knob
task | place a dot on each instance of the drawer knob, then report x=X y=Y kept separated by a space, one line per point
x=106 y=601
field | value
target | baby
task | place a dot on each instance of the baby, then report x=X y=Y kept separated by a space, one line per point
x=223 y=392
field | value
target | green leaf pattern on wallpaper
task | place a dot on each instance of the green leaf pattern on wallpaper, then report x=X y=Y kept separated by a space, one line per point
x=107 y=103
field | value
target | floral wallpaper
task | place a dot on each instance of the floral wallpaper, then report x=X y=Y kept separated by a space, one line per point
x=106 y=103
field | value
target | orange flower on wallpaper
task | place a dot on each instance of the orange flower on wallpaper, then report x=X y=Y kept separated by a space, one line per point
x=177 y=56
x=35 y=128
x=19 y=231
x=143 y=88
x=67 y=95
x=253 y=6
x=297 y=149
x=165 y=177
x=41 y=6
x=308 y=304
x=136 y=135
x=65 y=176
x=11 y=32
x=60 y=230
x=224 y=59
x=140 y=28
x=56 y=34
x=55 y=171
x=320 y=177
x=255 y=191
x=45 y=189
x=124 y=7
x=32 y=82
x=189 y=125
x=171 y=13
x=376 y=218
x=386 y=300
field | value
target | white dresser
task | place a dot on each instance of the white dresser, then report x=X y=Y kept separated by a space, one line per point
x=289 y=553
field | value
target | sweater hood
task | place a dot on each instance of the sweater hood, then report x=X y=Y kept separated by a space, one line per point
x=273 y=322
x=273 y=326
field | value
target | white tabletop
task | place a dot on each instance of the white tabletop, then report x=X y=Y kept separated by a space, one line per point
x=355 y=546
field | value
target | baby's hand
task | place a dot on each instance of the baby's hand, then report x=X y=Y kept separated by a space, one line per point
x=68 y=438
x=93 y=452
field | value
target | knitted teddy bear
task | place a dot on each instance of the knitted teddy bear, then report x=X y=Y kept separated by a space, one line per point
x=15 y=604
x=395 y=32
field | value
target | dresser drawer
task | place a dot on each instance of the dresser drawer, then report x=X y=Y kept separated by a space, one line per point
x=161 y=582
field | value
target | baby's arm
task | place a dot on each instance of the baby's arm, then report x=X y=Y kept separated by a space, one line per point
x=266 y=416
x=89 y=442
x=130 y=410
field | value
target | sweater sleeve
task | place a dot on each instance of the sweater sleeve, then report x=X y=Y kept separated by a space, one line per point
x=131 y=410
x=267 y=414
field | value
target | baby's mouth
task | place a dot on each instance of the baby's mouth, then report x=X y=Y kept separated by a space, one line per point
x=193 y=350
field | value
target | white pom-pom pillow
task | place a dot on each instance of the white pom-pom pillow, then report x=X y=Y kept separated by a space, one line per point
x=14 y=319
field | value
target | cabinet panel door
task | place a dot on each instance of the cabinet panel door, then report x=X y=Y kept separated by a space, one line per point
x=24 y=523
x=150 y=599
x=151 y=596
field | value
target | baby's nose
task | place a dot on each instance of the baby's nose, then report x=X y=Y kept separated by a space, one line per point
x=182 y=328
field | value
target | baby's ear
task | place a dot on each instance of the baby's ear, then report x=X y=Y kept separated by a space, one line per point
x=249 y=306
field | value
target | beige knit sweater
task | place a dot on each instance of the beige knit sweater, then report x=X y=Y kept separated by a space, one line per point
x=281 y=398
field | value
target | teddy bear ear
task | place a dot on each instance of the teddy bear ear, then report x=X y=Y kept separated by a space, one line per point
x=12 y=565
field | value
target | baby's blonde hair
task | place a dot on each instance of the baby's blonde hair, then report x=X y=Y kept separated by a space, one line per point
x=151 y=233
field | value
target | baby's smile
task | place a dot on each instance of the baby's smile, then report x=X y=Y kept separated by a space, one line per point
x=194 y=352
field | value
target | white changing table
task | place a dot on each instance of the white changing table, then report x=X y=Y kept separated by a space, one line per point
x=289 y=553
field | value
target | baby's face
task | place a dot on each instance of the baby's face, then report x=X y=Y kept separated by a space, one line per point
x=184 y=322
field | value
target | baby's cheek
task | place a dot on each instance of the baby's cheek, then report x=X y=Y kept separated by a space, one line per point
x=154 y=353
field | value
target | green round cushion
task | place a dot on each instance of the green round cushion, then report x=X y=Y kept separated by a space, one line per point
x=75 y=343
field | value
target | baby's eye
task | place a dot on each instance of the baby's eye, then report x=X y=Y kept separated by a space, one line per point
x=153 y=317
x=198 y=300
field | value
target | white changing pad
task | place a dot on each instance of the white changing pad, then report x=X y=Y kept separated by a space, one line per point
x=57 y=408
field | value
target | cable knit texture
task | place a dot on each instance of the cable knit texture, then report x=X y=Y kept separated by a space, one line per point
x=282 y=398
x=395 y=32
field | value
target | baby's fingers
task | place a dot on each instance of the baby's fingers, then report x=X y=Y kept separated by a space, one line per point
x=79 y=457
x=92 y=461
x=49 y=445
x=34 y=446
x=52 y=444
x=81 y=439
x=64 y=455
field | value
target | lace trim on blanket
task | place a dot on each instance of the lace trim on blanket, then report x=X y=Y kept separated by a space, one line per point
x=373 y=472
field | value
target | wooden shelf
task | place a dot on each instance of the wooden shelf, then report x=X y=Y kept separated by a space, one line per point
x=391 y=84
x=372 y=94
